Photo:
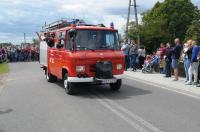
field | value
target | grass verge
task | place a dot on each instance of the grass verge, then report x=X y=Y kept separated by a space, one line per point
x=4 y=68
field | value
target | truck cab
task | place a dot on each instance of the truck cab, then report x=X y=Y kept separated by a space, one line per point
x=82 y=54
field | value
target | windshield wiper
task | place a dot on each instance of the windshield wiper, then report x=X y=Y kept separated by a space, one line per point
x=85 y=48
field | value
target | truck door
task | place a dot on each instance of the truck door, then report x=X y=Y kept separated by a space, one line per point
x=60 y=53
x=52 y=57
x=51 y=60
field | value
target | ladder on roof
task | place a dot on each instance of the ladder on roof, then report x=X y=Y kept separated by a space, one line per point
x=66 y=22
x=62 y=23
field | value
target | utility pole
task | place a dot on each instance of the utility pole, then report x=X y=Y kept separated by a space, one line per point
x=137 y=25
x=128 y=17
x=45 y=24
x=24 y=38
x=136 y=20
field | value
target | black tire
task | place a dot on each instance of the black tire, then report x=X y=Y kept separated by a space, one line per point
x=68 y=85
x=50 y=77
x=143 y=70
x=116 y=86
x=151 y=70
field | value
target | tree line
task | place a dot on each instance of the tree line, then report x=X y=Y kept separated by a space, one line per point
x=166 y=21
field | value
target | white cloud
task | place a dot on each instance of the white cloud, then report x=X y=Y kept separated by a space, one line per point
x=13 y=38
x=19 y=16
x=1 y=17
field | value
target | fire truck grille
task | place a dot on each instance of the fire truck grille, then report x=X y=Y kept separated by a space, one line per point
x=92 y=67
x=104 y=70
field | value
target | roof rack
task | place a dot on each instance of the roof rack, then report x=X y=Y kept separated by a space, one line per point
x=61 y=23
x=66 y=22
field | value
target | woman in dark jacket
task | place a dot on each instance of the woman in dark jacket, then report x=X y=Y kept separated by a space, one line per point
x=168 y=60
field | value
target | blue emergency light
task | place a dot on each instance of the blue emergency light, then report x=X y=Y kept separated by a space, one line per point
x=112 y=25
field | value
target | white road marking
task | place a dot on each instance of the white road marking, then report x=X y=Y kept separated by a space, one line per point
x=21 y=78
x=156 y=85
x=121 y=115
x=128 y=116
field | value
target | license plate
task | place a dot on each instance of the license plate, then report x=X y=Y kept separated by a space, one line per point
x=105 y=81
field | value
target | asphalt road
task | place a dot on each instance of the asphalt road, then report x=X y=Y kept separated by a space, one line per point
x=28 y=103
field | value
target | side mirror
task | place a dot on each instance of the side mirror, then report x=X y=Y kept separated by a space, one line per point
x=72 y=33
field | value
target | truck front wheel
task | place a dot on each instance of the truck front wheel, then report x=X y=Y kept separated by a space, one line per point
x=67 y=85
x=116 y=86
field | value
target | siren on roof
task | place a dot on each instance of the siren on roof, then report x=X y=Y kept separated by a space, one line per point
x=73 y=23
x=112 y=25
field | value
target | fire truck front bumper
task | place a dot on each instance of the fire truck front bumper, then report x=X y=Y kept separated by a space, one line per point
x=90 y=79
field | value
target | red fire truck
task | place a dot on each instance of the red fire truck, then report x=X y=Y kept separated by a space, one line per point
x=77 y=52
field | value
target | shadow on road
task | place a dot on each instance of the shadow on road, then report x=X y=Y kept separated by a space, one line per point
x=5 y=111
x=125 y=92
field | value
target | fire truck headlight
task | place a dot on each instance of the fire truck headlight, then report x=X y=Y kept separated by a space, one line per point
x=119 y=66
x=80 y=68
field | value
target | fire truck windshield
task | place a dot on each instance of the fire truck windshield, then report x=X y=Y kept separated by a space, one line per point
x=97 y=40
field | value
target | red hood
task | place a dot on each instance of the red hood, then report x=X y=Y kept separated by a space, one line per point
x=90 y=58
x=98 y=54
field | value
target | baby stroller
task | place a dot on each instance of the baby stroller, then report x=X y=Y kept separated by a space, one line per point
x=150 y=63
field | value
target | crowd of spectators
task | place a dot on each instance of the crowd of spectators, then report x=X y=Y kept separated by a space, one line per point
x=134 y=55
x=167 y=59
x=15 y=53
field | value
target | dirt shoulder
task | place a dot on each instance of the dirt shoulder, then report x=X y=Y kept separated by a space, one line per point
x=2 y=81
x=4 y=69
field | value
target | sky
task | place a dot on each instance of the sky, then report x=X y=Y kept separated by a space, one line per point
x=28 y=16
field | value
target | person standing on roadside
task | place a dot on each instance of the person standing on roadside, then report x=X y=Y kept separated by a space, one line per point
x=193 y=70
x=176 y=53
x=168 y=60
x=125 y=48
x=141 y=56
x=198 y=58
x=161 y=53
x=187 y=55
x=133 y=53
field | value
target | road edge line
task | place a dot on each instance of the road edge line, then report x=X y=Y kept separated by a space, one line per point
x=172 y=89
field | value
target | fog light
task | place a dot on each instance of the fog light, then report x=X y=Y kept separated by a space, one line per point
x=119 y=66
x=80 y=68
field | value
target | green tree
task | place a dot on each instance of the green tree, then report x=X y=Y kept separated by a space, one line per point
x=133 y=30
x=193 y=31
x=35 y=41
x=166 y=21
